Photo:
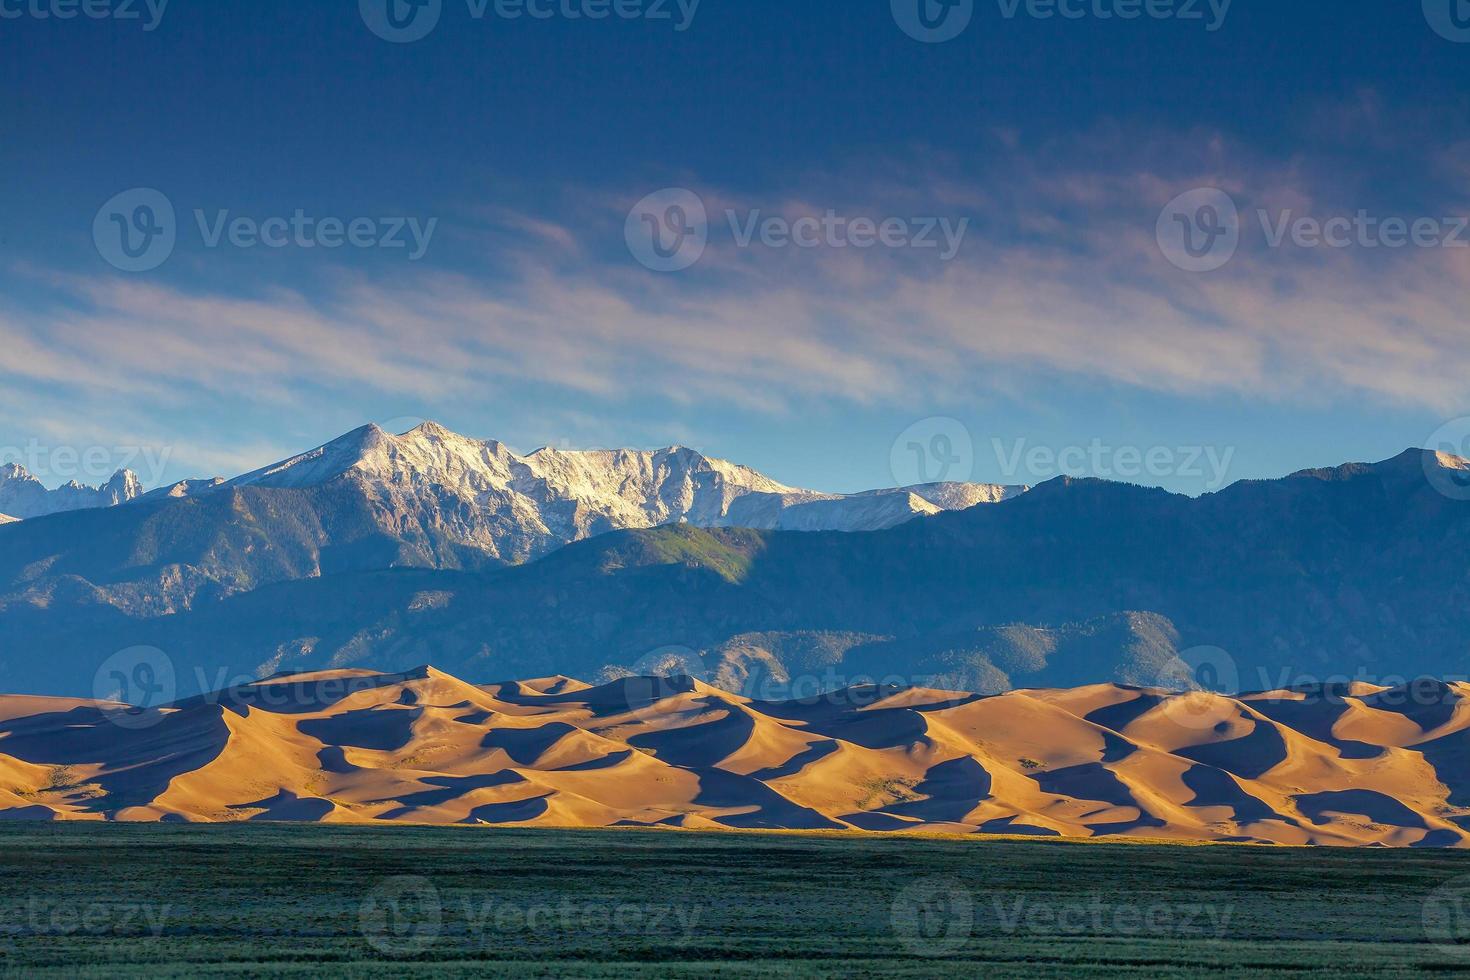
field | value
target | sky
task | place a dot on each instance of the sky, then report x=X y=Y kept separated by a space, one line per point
x=1176 y=242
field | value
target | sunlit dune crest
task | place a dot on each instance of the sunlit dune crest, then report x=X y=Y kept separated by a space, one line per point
x=1348 y=765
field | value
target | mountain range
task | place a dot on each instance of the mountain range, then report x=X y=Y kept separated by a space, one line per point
x=22 y=496
x=385 y=552
x=1354 y=765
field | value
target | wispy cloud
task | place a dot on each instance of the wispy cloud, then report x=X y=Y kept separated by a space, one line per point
x=1060 y=275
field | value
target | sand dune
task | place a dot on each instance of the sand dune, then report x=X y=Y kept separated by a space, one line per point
x=1356 y=765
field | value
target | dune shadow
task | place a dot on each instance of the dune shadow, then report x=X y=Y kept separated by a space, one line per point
x=1377 y=807
x=526 y=746
x=1117 y=717
x=140 y=763
x=703 y=744
x=771 y=810
x=1450 y=757
x=814 y=753
x=1426 y=702
x=516 y=811
x=377 y=729
x=1008 y=825
x=1217 y=788
x=287 y=806
x=609 y=761
x=885 y=728
x=1249 y=757
x=953 y=789
x=1093 y=782
x=298 y=694
x=453 y=787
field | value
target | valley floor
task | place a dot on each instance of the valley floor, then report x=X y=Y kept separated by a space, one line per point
x=267 y=899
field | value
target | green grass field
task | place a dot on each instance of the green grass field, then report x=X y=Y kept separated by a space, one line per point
x=271 y=899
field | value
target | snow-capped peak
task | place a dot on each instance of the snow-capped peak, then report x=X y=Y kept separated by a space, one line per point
x=24 y=497
x=482 y=494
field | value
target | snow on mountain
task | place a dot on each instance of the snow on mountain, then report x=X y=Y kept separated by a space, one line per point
x=184 y=488
x=25 y=497
x=484 y=495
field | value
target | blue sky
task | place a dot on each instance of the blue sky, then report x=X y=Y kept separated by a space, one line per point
x=1058 y=329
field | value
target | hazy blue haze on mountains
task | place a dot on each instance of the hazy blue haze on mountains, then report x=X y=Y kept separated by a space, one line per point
x=1358 y=571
